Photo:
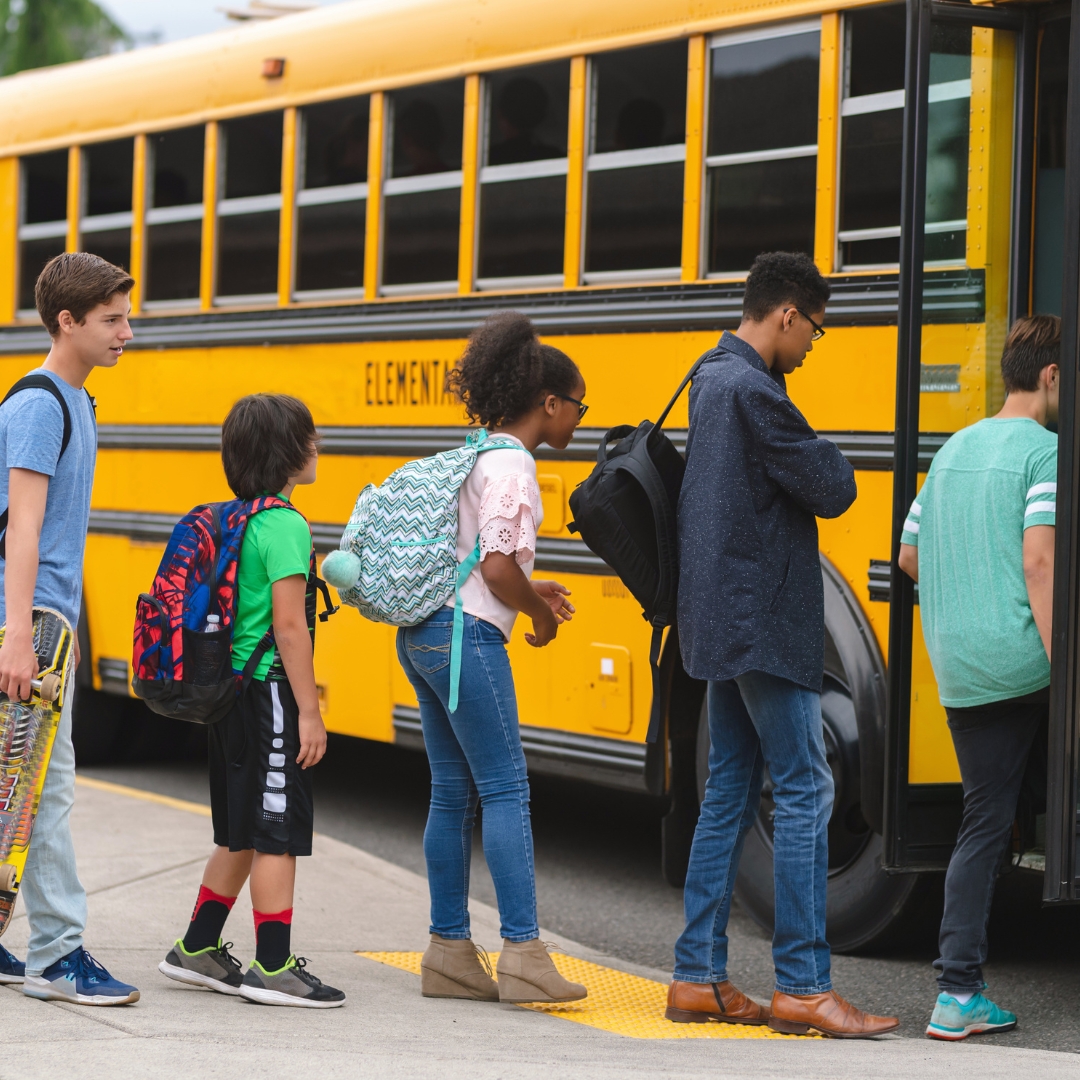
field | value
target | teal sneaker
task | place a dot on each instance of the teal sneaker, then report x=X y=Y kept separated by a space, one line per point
x=952 y=1021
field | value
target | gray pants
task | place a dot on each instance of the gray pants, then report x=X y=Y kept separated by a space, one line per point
x=992 y=745
x=54 y=897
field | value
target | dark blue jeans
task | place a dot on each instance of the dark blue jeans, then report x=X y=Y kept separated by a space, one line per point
x=757 y=720
x=992 y=744
x=475 y=755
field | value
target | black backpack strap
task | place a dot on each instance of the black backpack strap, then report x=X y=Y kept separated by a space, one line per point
x=260 y=650
x=682 y=386
x=38 y=382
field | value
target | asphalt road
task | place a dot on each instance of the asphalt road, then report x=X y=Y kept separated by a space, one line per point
x=599 y=882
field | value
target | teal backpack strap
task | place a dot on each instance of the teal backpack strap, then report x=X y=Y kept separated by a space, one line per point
x=465 y=568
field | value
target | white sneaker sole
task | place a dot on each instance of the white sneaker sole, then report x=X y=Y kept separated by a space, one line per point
x=194 y=978
x=36 y=987
x=11 y=980
x=276 y=997
x=955 y=1035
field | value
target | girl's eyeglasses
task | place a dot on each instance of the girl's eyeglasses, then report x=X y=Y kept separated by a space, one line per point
x=582 y=408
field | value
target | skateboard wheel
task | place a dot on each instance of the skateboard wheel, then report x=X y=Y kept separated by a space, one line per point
x=50 y=687
x=7 y=877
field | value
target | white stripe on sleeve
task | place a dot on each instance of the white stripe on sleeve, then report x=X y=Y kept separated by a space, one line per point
x=915 y=510
x=1040 y=508
x=1042 y=489
x=911 y=526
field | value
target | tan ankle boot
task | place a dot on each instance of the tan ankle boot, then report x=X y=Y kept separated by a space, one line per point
x=526 y=973
x=454 y=968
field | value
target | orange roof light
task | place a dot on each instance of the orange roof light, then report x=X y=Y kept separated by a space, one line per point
x=273 y=67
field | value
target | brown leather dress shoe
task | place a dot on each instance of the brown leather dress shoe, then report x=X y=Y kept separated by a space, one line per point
x=699 y=1003
x=829 y=1014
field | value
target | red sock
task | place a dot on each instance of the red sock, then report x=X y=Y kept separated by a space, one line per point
x=272 y=938
x=207 y=920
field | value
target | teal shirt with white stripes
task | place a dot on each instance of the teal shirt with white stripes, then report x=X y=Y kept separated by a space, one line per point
x=986 y=486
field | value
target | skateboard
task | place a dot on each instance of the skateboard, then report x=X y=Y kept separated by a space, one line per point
x=27 y=732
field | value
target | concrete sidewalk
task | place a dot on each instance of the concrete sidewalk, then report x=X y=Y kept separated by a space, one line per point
x=141 y=859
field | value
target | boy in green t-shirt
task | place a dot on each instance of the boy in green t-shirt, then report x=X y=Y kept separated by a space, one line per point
x=979 y=540
x=260 y=786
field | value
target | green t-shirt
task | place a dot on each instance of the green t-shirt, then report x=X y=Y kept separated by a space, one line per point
x=986 y=485
x=277 y=544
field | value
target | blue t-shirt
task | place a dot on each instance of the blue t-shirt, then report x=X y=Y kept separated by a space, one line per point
x=31 y=431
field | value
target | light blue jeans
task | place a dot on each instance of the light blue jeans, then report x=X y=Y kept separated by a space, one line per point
x=54 y=897
x=475 y=756
x=757 y=720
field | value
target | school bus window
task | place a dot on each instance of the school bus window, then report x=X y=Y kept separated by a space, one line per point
x=762 y=144
x=105 y=224
x=332 y=199
x=422 y=204
x=249 y=214
x=174 y=215
x=523 y=176
x=43 y=218
x=635 y=164
x=1050 y=170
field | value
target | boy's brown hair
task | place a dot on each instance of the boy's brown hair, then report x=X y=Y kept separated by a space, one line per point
x=266 y=438
x=1033 y=343
x=77 y=282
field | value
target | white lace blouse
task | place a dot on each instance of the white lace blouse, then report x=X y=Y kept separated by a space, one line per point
x=500 y=501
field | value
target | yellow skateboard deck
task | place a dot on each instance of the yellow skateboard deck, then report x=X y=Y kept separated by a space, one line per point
x=27 y=733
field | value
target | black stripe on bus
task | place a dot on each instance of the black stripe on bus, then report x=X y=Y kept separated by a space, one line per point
x=866 y=450
x=950 y=296
x=554 y=554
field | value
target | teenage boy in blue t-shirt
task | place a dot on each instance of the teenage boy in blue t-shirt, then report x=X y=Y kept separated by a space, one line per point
x=83 y=302
x=979 y=540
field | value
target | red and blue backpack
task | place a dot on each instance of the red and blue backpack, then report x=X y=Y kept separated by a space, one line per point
x=180 y=670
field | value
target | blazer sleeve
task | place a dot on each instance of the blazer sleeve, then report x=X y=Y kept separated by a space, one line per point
x=811 y=470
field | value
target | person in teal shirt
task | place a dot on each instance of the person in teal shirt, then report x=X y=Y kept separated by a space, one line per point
x=979 y=540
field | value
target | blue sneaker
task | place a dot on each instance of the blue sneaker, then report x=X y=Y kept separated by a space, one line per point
x=952 y=1021
x=80 y=979
x=11 y=970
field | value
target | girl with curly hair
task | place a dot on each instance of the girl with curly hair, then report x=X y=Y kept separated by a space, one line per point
x=526 y=393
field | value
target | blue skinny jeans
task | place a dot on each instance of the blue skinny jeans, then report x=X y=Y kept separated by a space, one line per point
x=475 y=756
x=757 y=720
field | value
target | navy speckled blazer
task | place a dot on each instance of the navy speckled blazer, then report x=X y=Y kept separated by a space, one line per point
x=750 y=594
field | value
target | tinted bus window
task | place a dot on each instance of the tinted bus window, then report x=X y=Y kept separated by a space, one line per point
x=105 y=228
x=332 y=201
x=43 y=220
x=174 y=215
x=422 y=204
x=249 y=215
x=635 y=165
x=762 y=146
x=1050 y=170
x=523 y=176
x=872 y=114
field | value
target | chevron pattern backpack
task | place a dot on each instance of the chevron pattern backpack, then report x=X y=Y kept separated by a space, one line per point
x=398 y=561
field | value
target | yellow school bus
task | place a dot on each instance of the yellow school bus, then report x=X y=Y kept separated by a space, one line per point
x=326 y=204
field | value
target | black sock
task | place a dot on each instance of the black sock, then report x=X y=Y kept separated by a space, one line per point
x=207 y=920
x=272 y=939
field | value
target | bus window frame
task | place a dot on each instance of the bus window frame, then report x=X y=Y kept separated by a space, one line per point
x=730 y=39
x=39 y=230
x=902 y=853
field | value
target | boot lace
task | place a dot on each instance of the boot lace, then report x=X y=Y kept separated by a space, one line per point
x=482 y=956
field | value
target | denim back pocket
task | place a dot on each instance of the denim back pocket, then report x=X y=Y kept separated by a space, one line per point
x=429 y=646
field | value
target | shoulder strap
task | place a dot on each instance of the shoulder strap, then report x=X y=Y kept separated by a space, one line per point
x=682 y=386
x=43 y=382
x=38 y=382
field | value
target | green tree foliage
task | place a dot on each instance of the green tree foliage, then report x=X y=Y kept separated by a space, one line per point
x=39 y=33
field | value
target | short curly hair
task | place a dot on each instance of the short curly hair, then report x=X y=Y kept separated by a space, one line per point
x=782 y=277
x=506 y=370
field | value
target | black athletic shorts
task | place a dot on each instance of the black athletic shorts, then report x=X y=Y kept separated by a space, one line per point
x=259 y=797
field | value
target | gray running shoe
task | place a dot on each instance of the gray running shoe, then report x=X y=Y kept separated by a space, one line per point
x=292 y=985
x=212 y=967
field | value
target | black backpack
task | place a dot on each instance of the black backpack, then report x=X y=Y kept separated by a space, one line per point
x=625 y=512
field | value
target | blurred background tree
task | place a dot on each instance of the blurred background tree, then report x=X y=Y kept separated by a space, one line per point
x=39 y=33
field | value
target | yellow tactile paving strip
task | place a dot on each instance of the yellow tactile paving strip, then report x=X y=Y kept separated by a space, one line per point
x=617 y=1002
